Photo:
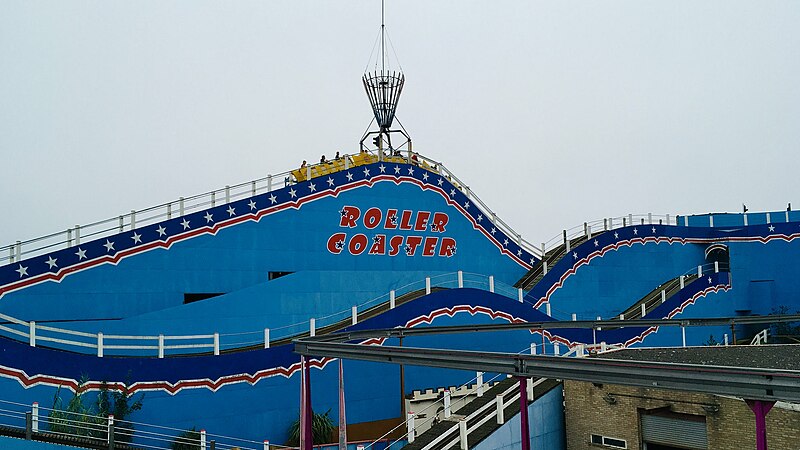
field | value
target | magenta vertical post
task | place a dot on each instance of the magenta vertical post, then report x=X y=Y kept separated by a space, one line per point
x=760 y=408
x=309 y=412
x=523 y=413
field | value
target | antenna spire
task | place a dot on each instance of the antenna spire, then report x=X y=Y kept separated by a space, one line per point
x=383 y=87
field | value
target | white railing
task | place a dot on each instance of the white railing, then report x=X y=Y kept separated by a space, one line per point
x=185 y=205
x=169 y=344
x=761 y=337
x=46 y=424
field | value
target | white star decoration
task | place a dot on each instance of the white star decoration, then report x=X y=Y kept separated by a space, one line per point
x=505 y=242
x=231 y=211
x=209 y=217
x=252 y=205
x=494 y=230
x=161 y=230
x=411 y=171
x=51 y=262
x=772 y=228
x=349 y=176
x=22 y=271
x=312 y=187
x=596 y=244
x=480 y=217
x=81 y=254
x=293 y=193
x=425 y=176
x=466 y=205
x=366 y=173
x=575 y=255
x=440 y=182
x=635 y=231
x=383 y=168
x=273 y=199
x=653 y=229
x=452 y=192
x=709 y=280
x=616 y=235
x=519 y=252
x=330 y=182
x=185 y=224
x=397 y=170
x=108 y=245
x=137 y=238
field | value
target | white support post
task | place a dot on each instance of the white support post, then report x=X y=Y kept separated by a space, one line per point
x=529 y=388
x=605 y=224
x=391 y=299
x=547 y=309
x=447 y=411
x=544 y=249
x=683 y=335
x=682 y=282
x=787 y=215
x=266 y=337
x=11 y=253
x=491 y=283
x=169 y=211
x=630 y=219
x=252 y=189
x=266 y=445
x=650 y=218
x=160 y=345
x=110 y=430
x=99 y=345
x=19 y=250
x=122 y=222
x=460 y=279
x=269 y=183
x=711 y=220
x=32 y=333
x=603 y=346
x=725 y=338
x=610 y=223
x=644 y=310
x=716 y=266
x=227 y=194
x=589 y=230
x=69 y=237
x=312 y=327
x=133 y=219
x=544 y=267
x=35 y=417
x=354 y=315
x=308 y=173
x=556 y=349
x=213 y=198
x=479 y=383
x=667 y=220
x=498 y=402
x=77 y=235
x=462 y=433
x=744 y=217
x=180 y=207
x=686 y=221
x=622 y=317
x=216 y=344
x=202 y=439
x=699 y=271
x=533 y=348
x=520 y=294
x=663 y=296
x=410 y=426
x=427 y=285
x=768 y=219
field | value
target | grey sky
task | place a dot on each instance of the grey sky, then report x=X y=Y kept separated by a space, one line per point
x=553 y=112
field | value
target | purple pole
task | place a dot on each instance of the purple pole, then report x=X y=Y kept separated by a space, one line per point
x=309 y=413
x=523 y=413
x=760 y=408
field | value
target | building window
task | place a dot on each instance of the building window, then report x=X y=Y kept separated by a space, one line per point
x=274 y=275
x=606 y=441
x=196 y=297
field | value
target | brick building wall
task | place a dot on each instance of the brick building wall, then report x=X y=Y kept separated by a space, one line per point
x=731 y=427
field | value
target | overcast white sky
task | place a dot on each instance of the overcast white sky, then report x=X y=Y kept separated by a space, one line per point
x=553 y=112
